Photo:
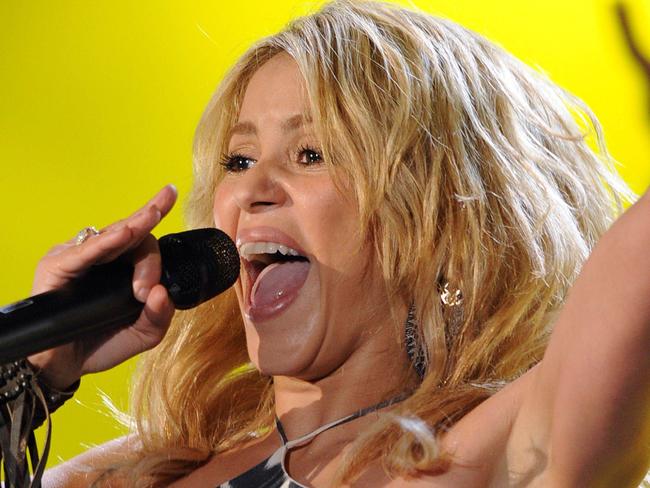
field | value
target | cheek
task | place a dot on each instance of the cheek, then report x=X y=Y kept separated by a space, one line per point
x=225 y=215
x=224 y=210
x=334 y=225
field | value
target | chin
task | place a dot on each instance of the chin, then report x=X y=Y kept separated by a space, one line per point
x=277 y=366
x=297 y=353
x=289 y=343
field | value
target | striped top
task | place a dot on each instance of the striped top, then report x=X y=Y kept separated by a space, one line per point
x=271 y=473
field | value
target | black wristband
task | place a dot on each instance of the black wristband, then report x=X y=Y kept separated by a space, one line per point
x=53 y=400
x=25 y=403
x=18 y=376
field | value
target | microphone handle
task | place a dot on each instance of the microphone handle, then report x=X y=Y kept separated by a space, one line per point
x=96 y=302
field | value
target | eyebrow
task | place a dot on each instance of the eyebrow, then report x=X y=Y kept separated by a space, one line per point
x=292 y=123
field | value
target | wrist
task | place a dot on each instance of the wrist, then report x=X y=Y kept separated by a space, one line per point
x=55 y=374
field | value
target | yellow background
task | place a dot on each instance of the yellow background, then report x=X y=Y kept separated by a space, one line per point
x=99 y=100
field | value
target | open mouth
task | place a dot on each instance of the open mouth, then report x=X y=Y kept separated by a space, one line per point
x=274 y=275
x=259 y=262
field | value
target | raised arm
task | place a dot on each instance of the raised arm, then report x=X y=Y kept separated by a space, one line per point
x=588 y=408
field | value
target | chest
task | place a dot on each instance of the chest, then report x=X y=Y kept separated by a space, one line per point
x=478 y=445
x=304 y=467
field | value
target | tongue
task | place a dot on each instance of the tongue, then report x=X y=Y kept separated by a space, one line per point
x=277 y=281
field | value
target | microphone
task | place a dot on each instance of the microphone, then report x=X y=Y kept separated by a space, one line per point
x=196 y=266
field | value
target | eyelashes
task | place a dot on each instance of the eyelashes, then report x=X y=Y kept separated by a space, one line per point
x=314 y=156
x=304 y=155
x=235 y=162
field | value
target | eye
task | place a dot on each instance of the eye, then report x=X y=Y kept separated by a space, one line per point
x=236 y=162
x=309 y=156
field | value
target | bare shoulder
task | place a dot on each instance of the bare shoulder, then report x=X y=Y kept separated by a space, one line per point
x=82 y=470
x=480 y=442
x=478 y=445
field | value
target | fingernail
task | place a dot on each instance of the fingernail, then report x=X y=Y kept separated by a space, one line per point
x=173 y=187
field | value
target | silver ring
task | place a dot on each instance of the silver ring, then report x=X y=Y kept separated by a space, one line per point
x=84 y=234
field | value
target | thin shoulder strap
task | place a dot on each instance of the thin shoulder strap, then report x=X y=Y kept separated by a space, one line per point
x=359 y=413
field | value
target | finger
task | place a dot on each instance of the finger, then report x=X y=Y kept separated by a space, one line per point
x=136 y=230
x=156 y=317
x=103 y=248
x=106 y=246
x=163 y=201
x=74 y=241
x=99 y=249
x=146 y=260
x=159 y=308
x=142 y=222
x=67 y=260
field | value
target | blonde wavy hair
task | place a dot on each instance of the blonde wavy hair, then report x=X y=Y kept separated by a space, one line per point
x=469 y=168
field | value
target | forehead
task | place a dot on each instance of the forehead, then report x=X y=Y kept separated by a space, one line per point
x=277 y=88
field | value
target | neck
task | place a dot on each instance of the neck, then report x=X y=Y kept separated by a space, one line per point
x=374 y=372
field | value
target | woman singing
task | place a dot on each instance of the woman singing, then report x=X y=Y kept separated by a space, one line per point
x=430 y=290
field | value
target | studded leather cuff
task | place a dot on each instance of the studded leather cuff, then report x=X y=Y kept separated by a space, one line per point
x=53 y=399
x=25 y=403
x=18 y=376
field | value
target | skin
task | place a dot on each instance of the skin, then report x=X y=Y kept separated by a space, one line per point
x=339 y=319
x=62 y=366
x=579 y=418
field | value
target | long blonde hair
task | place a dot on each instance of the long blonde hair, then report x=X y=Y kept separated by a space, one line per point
x=470 y=170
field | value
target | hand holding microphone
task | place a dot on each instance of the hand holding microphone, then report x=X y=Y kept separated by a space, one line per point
x=85 y=287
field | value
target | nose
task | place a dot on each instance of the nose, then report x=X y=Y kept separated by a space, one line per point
x=259 y=189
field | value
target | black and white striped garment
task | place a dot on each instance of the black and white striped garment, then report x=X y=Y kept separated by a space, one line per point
x=271 y=473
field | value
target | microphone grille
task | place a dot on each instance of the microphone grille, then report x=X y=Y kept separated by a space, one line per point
x=197 y=265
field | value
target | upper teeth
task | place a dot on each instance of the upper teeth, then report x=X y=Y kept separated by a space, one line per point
x=252 y=248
